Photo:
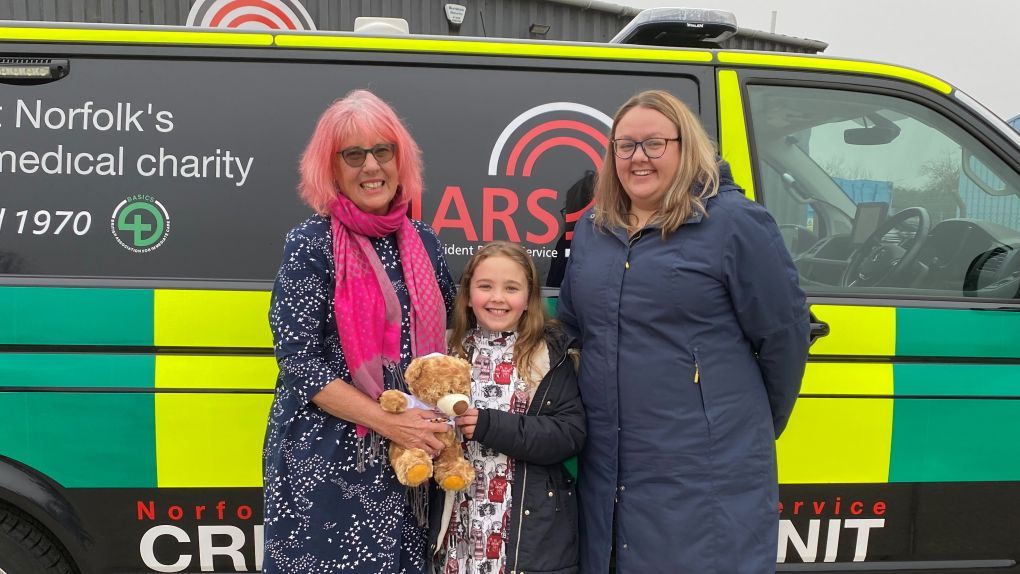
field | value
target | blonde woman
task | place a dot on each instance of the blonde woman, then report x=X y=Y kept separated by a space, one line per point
x=694 y=335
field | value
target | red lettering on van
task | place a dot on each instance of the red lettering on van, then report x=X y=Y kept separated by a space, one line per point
x=453 y=195
x=490 y=214
x=146 y=511
x=551 y=225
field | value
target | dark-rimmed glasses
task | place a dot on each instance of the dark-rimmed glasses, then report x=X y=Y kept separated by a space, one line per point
x=356 y=156
x=653 y=147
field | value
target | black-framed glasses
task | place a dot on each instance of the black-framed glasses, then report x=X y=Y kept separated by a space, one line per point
x=653 y=147
x=356 y=156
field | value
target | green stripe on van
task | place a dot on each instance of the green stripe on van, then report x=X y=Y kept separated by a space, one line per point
x=952 y=440
x=75 y=316
x=74 y=370
x=957 y=333
x=940 y=440
x=82 y=439
x=935 y=379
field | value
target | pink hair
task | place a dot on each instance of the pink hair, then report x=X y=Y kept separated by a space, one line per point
x=359 y=112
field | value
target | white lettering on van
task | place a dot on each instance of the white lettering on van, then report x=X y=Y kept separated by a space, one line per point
x=244 y=169
x=863 y=526
x=164 y=122
x=206 y=546
x=149 y=540
x=63 y=162
x=220 y=164
x=120 y=117
x=807 y=550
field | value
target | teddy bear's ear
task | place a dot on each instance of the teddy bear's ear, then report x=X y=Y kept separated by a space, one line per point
x=413 y=371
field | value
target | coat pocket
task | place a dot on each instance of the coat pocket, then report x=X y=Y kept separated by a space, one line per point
x=698 y=380
x=568 y=499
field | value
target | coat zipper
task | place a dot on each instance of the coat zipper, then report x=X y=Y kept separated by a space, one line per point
x=697 y=365
x=524 y=479
x=701 y=391
x=630 y=244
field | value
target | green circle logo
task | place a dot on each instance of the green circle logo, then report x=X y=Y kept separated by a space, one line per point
x=140 y=223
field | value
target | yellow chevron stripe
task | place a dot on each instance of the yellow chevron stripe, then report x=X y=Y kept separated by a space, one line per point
x=856 y=330
x=130 y=36
x=834 y=65
x=196 y=318
x=492 y=48
x=837 y=440
x=733 y=131
x=211 y=439
x=211 y=372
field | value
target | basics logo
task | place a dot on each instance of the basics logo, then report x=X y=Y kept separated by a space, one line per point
x=250 y=15
x=140 y=223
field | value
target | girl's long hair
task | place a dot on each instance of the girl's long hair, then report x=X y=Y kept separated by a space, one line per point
x=360 y=112
x=696 y=180
x=532 y=325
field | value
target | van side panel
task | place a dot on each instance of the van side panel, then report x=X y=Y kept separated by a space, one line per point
x=137 y=369
x=902 y=450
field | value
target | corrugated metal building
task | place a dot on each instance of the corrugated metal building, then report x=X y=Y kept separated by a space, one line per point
x=574 y=20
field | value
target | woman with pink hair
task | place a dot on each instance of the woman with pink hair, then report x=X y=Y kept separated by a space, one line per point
x=362 y=289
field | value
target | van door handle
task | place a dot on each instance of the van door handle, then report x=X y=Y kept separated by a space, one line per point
x=819 y=329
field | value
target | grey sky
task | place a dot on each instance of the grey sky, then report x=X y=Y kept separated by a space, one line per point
x=970 y=44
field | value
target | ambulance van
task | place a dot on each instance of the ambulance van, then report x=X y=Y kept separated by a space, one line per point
x=147 y=179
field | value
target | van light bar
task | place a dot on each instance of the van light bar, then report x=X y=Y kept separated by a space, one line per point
x=682 y=27
x=32 y=70
x=24 y=71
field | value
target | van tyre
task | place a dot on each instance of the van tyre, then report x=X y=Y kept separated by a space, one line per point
x=26 y=548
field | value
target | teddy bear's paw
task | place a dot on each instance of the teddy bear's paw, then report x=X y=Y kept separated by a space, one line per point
x=418 y=474
x=393 y=401
x=453 y=483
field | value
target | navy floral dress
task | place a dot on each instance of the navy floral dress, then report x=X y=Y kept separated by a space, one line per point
x=321 y=514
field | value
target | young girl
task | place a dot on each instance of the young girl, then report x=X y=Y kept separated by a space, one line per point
x=520 y=514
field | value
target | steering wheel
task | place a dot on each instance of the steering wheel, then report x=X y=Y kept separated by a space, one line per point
x=875 y=262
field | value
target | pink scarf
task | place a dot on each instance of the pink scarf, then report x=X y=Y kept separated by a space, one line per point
x=367 y=310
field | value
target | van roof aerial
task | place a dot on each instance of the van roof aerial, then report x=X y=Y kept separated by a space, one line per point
x=687 y=27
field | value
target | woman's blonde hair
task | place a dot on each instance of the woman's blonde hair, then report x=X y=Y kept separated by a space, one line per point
x=530 y=328
x=696 y=180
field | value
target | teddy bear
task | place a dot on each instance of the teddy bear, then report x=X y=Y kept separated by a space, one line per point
x=435 y=381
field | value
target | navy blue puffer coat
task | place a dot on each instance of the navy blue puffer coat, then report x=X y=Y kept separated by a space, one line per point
x=693 y=352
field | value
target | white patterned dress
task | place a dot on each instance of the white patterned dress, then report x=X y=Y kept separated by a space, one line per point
x=476 y=537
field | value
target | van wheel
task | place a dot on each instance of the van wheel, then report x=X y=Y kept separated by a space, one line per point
x=26 y=548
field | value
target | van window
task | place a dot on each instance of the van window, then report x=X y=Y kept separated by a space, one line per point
x=877 y=195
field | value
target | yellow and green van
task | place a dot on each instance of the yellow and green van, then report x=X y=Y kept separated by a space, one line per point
x=147 y=178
